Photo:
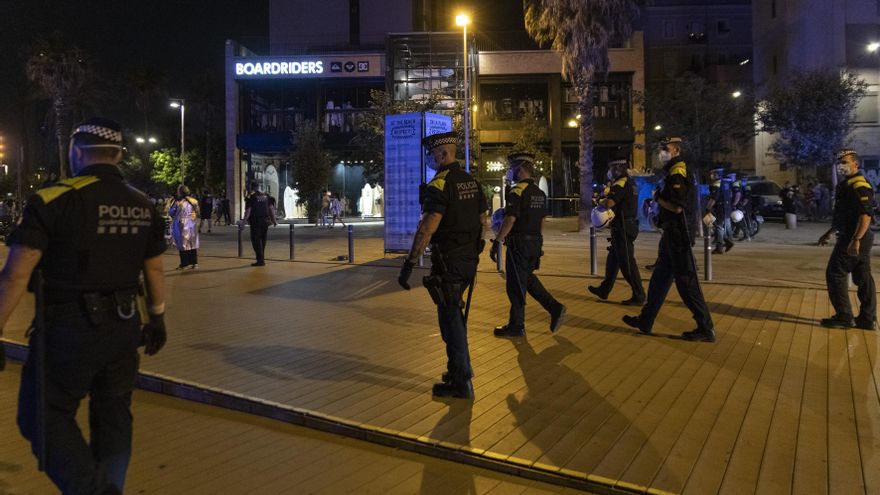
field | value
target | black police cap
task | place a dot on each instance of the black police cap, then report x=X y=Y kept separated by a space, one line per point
x=434 y=140
x=105 y=130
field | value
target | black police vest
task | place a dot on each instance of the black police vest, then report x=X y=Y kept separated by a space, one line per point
x=259 y=204
x=626 y=204
x=531 y=210
x=100 y=233
x=854 y=197
x=460 y=225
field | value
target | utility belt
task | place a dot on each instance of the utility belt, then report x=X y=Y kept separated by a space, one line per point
x=100 y=307
x=526 y=237
x=442 y=290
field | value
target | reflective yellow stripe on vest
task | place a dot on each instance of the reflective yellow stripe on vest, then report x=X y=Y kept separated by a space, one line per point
x=51 y=193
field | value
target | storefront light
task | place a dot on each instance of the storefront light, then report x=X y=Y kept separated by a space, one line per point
x=572 y=123
x=494 y=166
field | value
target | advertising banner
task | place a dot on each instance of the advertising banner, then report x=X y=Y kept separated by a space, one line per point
x=405 y=172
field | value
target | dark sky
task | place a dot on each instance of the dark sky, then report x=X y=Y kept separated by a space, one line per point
x=179 y=37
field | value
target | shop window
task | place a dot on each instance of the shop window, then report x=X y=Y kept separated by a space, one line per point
x=343 y=109
x=612 y=100
x=867 y=111
x=723 y=28
x=506 y=102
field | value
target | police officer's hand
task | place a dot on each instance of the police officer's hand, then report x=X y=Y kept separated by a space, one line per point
x=154 y=335
x=853 y=248
x=405 y=273
x=824 y=239
x=493 y=252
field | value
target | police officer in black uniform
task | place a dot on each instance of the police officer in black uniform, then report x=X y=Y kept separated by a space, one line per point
x=623 y=200
x=259 y=213
x=675 y=260
x=91 y=236
x=853 y=205
x=741 y=192
x=453 y=217
x=520 y=231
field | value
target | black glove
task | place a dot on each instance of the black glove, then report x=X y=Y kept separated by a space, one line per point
x=2 y=357
x=154 y=336
x=405 y=272
x=493 y=252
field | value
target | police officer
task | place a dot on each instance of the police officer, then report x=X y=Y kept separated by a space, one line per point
x=675 y=260
x=623 y=200
x=259 y=214
x=521 y=232
x=853 y=204
x=453 y=216
x=741 y=192
x=91 y=236
x=717 y=204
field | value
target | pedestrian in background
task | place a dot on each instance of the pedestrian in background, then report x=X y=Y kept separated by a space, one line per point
x=184 y=213
x=206 y=210
x=259 y=213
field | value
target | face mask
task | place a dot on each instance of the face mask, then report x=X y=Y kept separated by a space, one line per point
x=665 y=156
x=511 y=175
x=842 y=169
x=431 y=163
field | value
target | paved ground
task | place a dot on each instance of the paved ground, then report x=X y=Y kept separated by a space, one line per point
x=211 y=450
x=777 y=405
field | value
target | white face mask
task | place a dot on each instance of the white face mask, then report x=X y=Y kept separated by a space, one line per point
x=610 y=175
x=842 y=169
x=665 y=156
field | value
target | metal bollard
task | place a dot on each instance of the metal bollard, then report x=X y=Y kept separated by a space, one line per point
x=240 y=252
x=707 y=260
x=499 y=263
x=594 y=252
x=350 y=243
x=291 y=241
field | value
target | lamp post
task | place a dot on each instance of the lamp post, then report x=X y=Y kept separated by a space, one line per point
x=181 y=104
x=463 y=20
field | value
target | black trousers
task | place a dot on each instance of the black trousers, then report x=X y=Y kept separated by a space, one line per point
x=459 y=270
x=675 y=263
x=522 y=261
x=259 y=237
x=83 y=359
x=622 y=258
x=839 y=266
x=189 y=257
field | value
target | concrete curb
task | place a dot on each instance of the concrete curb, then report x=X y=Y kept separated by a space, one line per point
x=523 y=468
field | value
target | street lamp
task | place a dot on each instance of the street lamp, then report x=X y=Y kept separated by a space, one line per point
x=658 y=127
x=181 y=104
x=873 y=46
x=736 y=94
x=463 y=20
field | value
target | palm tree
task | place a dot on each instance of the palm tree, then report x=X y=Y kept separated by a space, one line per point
x=148 y=85
x=581 y=31
x=205 y=96
x=61 y=71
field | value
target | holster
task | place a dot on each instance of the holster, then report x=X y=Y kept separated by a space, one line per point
x=443 y=293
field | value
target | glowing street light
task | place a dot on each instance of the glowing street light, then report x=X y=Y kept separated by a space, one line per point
x=152 y=140
x=140 y=140
x=736 y=94
x=658 y=127
x=873 y=46
x=463 y=20
x=181 y=104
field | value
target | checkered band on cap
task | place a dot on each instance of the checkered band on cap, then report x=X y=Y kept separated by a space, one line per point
x=618 y=161
x=846 y=152
x=101 y=132
x=521 y=157
x=434 y=140
x=671 y=140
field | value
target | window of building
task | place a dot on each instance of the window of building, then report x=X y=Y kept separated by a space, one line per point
x=668 y=29
x=696 y=32
x=722 y=28
x=514 y=101
x=612 y=100
x=867 y=111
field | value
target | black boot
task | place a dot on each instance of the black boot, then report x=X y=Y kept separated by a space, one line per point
x=598 y=292
x=455 y=390
x=699 y=335
x=634 y=322
x=505 y=331
x=556 y=318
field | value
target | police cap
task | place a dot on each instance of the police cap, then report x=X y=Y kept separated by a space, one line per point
x=434 y=140
x=99 y=131
x=671 y=140
x=845 y=153
x=520 y=156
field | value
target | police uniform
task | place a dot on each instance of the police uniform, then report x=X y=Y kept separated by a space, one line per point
x=720 y=209
x=742 y=189
x=624 y=231
x=258 y=204
x=528 y=204
x=455 y=252
x=94 y=232
x=853 y=198
x=675 y=260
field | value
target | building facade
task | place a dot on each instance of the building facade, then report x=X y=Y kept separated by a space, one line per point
x=793 y=35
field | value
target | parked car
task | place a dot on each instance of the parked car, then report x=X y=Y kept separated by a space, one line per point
x=766 y=194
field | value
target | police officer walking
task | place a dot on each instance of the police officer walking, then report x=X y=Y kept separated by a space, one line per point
x=453 y=216
x=853 y=204
x=675 y=260
x=623 y=200
x=91 y=236
x=521 y=232
x=259 y=214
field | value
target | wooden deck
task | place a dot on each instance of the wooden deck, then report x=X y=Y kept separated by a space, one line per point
x=777 y=405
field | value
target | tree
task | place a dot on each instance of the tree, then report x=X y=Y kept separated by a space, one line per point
x=61 y=70
x=166 y=166
x=706 y=115
x=311 y=167
x=370 y=137
x=811 y=115
x=581 y=31
x=530 y=133
x=148 y=85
